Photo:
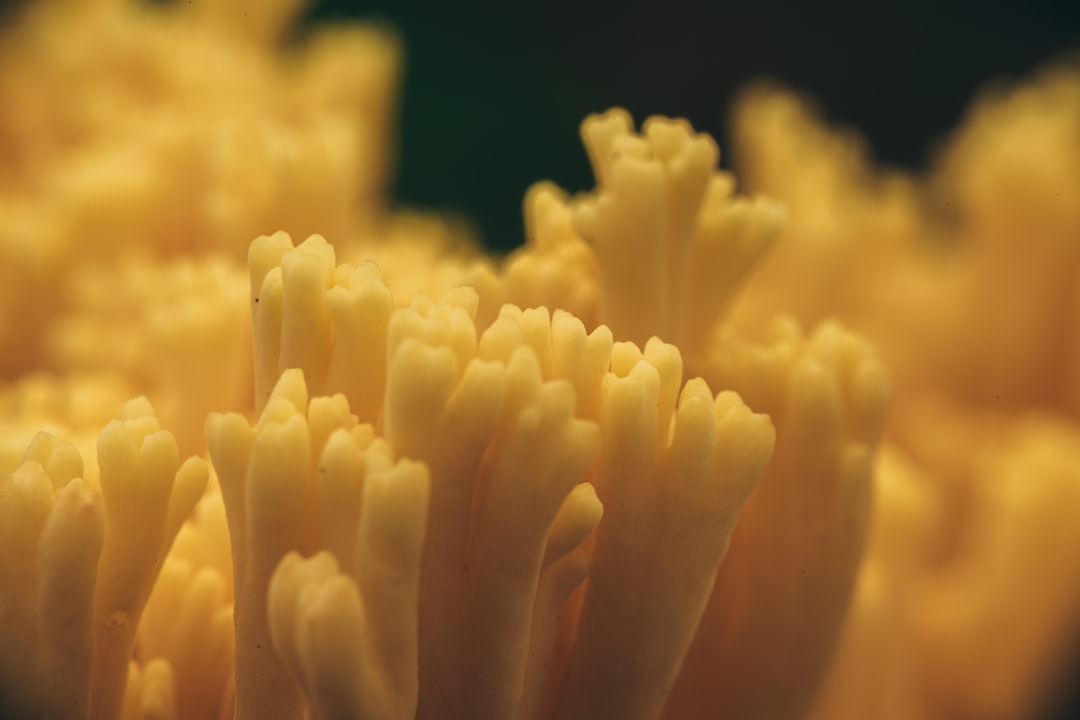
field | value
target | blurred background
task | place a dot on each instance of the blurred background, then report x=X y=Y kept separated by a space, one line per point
x=494 y=91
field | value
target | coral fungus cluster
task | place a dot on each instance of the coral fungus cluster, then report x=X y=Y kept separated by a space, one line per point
x=640 y=468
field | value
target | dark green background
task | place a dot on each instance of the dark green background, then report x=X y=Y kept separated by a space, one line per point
x=494 y=91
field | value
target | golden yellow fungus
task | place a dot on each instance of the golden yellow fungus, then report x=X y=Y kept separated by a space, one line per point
x=640 y=468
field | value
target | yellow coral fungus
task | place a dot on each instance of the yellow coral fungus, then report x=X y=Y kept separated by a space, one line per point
x=640 y=468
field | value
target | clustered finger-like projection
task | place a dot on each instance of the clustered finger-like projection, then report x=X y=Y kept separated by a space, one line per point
x=435 y=515
x=528 y=603
x=661 y=248
x=605 y=477
x=522 y=433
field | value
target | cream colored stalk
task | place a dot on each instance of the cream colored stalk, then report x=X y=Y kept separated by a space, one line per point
x=77 y=570
x=265 y=484
x=673 y=479
x=505 y=451
x=48 y=568
x=298 y=295
x=305 y=477
x=350 y=636
x=147 y=496
x=565 y=353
